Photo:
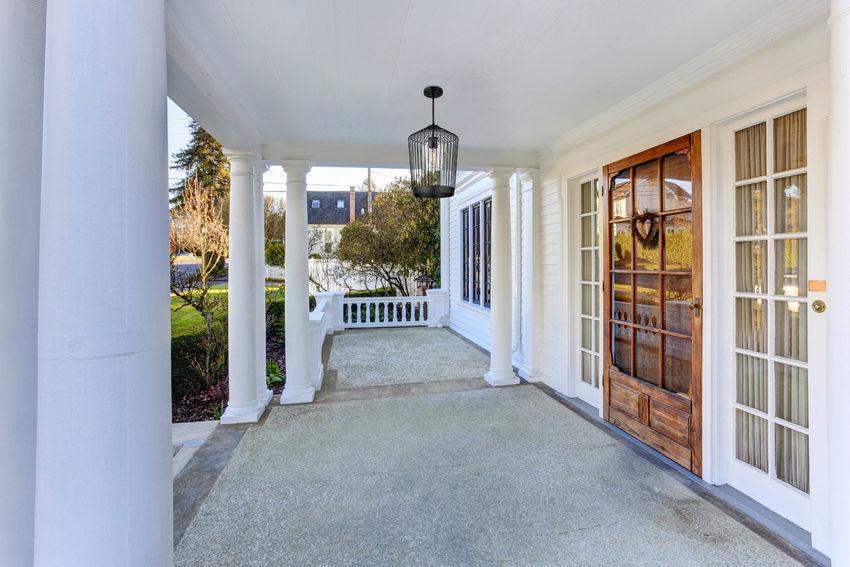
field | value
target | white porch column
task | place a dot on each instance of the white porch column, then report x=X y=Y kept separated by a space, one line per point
x=263 y=392
x=299 y=388
x=21 y=102
x=243 y=404
x=501 y=368
x=103 y=460
x=838 y=274
x=530 y=190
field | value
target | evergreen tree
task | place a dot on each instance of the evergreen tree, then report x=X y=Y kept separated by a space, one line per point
x=204 y=160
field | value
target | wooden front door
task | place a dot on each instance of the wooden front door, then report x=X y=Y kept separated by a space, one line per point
x=653 y=289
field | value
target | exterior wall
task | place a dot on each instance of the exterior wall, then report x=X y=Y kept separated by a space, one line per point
x=798 y=66
x=467 y=318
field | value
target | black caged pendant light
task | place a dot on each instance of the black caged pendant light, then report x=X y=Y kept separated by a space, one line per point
x=433 y=157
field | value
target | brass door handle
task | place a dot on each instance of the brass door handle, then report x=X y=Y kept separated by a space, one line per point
x=696 y=307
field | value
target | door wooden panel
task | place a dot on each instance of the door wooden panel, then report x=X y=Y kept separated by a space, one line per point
x=652 y=253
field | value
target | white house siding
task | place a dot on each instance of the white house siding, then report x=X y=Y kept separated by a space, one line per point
x=470 y=320
x=795 y=65
x=551 y=345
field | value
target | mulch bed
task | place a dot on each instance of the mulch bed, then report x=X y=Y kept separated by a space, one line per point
x=210 y=403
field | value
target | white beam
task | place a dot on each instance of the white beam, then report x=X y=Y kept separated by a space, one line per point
x=298 y=388
x=21 y=101
x=838 y=274
x=263 y=392
x=501 y=371
x=243 y=403
x=103 y=481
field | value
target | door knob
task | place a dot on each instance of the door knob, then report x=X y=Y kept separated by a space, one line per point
x=818 y=306
x=696 y=307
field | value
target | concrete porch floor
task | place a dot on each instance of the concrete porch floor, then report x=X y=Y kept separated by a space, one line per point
x=475 y=476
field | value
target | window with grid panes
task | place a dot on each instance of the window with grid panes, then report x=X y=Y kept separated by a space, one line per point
x=770 y=240
x=590 y=283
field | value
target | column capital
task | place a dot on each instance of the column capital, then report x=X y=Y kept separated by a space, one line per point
x=501 y=176
x=529 y=178
x=296 y=169
x=260 y=168
x=241 y=160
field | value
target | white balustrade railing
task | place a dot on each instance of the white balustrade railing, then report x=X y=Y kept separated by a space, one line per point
x=376 y=312
x=321 y=323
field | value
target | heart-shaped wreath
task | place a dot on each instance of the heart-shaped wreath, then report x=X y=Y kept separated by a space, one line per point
x=646 y=229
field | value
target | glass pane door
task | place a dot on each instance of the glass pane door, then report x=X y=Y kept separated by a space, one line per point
x=771 y=333
x=589 y=317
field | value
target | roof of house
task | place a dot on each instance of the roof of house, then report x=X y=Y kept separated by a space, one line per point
x=328 y=210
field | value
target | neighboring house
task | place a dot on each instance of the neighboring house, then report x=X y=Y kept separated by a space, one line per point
x=329 y=211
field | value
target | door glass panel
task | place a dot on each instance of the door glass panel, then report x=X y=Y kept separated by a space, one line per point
x=678 y=295
x=791 y=262
x=792 y=393
x=751 y=266
x=586 y=299
x=587 y=367
x=647 y=197
x=751 y=382
x=751 y=324
x=588 y=231
x=751 y=152
x=621 y=246
x=596 y=301
x=789 y=132
x=587 y=334
x=751 y=209
x=791 y=203
x=621 y=195
x=621 y=347
x=790 y=330
x=587 y=265
x=588 y=199
x=678 y=242
x=648 y=301
x=646 y=234
x=678 y=189
x=751 y=439
x=792 y=457
x=677 y=364
x=647 y=351
x=621 y=304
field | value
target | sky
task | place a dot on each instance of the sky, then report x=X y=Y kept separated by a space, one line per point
x=319 y=178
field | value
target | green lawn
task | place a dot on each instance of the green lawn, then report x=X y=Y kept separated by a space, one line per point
x=187 y=321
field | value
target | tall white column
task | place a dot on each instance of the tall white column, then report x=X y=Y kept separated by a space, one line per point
x=263 y=392
x=530 y=189
x=21 y=101
x=838 y=274
x=243 y=404
x=298 y=388
x=501 y=368
x=103 y=459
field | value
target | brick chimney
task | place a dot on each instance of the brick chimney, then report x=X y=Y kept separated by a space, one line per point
x=352 y=205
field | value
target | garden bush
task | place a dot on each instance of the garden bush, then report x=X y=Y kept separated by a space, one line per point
x=276 y=254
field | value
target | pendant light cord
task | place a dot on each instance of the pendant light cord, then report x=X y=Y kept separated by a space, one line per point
x=432 y=111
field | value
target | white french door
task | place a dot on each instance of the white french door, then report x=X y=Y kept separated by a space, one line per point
x=585 y=372
x=772 y=235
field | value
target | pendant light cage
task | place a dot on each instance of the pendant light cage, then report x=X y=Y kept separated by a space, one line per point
x=433 y=157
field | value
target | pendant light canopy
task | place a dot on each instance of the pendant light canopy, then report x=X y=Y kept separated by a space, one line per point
x=433 y=157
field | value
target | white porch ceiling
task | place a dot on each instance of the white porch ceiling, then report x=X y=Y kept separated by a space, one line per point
x=333 y=78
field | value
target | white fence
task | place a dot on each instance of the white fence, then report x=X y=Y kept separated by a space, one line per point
x=375 y=312
x=329 y=274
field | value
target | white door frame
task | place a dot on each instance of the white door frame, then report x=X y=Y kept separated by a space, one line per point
x=571 y=289
x=785 y=500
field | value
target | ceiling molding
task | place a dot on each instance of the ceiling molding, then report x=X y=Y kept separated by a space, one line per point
x=332 y=154
x=784 y=20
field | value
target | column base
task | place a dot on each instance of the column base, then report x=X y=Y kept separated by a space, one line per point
x=249 y=414
x=501 y=378
x=302 y=395
x=266 y=397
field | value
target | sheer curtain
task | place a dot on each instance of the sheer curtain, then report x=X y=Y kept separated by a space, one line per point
x=750 y=152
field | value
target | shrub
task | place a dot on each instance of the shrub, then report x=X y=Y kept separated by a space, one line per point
x=273 y=374
x=380 y=292
x=276 y=254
